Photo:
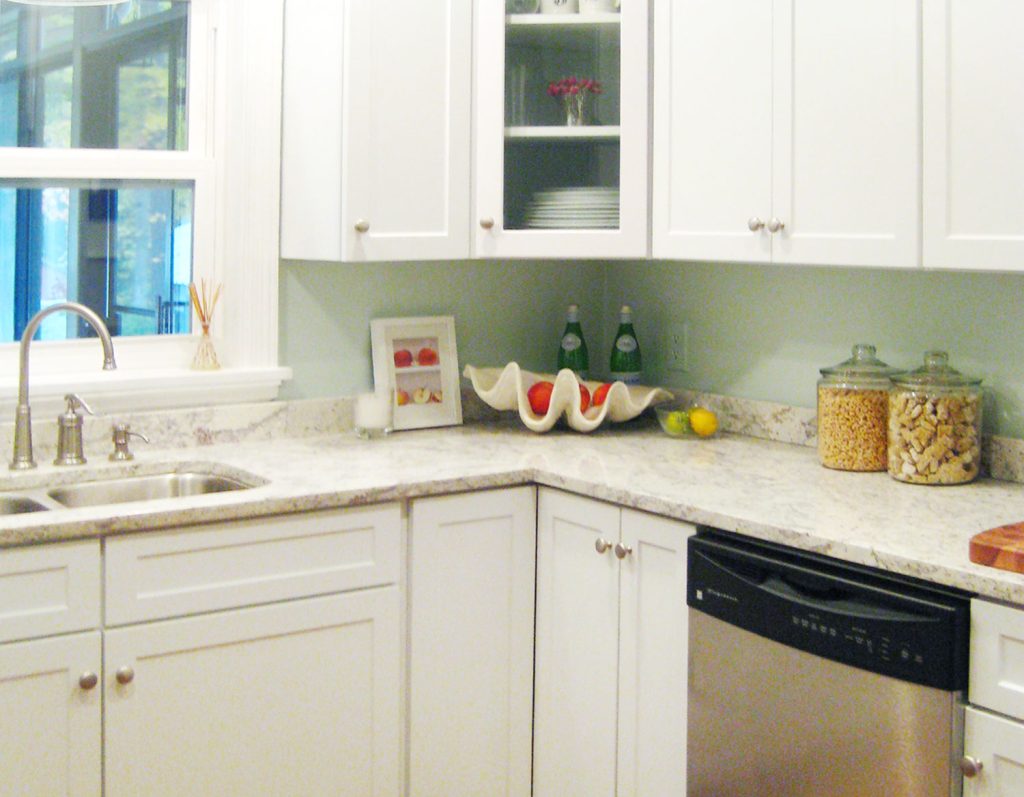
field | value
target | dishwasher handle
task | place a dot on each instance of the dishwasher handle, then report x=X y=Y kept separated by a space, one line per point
x=832 y=599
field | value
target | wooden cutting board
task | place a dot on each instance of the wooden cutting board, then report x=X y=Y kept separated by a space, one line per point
x=1001 y=547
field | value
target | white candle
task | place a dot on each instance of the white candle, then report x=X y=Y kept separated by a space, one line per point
x=373 y=412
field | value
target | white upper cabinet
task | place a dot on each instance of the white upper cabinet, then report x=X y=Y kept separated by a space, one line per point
x=973 y=134
x=787 y=131
x=548 y=185
x=376 y=139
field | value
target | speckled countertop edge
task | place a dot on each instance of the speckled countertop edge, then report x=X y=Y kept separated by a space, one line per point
x=765 y=489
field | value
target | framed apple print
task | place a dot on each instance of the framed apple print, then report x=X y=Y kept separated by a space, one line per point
x=417 y=360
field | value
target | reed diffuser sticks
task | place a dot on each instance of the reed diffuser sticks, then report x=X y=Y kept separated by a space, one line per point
x=204 y=302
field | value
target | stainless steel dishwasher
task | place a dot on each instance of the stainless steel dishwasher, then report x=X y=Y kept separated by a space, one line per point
x=810 y=677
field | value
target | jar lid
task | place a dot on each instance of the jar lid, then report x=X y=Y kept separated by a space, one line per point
x=935 y=373
x=862 y=365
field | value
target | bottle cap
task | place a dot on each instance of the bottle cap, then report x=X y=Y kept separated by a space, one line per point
x=625 y=314
x=573 y=312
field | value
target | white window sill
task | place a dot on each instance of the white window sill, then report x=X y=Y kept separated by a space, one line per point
x=123 y=390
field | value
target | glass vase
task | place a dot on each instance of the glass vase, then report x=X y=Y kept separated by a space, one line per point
x=206 y=355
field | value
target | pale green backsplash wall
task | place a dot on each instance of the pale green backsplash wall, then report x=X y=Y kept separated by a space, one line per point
x=764 y=331
x=503 y=311
x=753 y=331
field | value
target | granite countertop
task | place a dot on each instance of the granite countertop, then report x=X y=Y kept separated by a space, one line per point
x=769 y=490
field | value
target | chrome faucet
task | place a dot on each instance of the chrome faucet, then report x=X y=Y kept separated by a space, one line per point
x=23 y=415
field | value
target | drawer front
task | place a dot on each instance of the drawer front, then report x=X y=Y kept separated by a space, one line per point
x=997 y=657
x=998 y=745
x=50 y=589
x=227 y=565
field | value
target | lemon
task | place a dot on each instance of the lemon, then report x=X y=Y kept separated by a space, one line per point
x=677 y=422
x=703 y=422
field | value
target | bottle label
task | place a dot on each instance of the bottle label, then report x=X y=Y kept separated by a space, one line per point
x=629 y=377
x=626 y=344
x=570 y=341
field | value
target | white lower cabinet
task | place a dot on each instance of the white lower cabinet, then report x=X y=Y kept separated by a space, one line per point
x=286 y=699
x=610 y=688
x=50 y=717
x=995 y=742
x=471 y=599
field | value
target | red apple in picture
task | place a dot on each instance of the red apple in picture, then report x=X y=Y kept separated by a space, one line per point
x=426 y=356
x=601 y=394
x=421 y=395
x=437 y=397
x=401 y=398
x=584 y=397
x=540 y=397
x=403 y=358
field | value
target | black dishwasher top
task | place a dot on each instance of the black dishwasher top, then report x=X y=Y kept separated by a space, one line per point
x=877 y=621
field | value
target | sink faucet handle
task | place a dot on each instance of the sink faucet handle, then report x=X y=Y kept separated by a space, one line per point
x=122 y=433
x=75 y=401
x=69 y=432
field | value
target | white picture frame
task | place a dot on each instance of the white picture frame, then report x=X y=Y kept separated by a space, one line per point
x=417 y=359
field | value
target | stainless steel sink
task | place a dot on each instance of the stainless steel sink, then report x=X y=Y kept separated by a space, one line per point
x=144 y=488
x=19 y=505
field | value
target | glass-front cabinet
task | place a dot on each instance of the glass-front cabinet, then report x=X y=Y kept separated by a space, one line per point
x=561 y=128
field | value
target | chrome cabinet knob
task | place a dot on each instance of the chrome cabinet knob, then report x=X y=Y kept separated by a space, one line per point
x=970 y=767
x=754 y=224
x=487 y=222
x=774 y=225
x=125 y=675
x=602 y=545
x=88 y=680
x=362 y=225
x=622 y=551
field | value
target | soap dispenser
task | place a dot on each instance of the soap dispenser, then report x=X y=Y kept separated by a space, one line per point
x=69 y=432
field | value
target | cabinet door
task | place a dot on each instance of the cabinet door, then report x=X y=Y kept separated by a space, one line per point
x=377 y=125
x=973 y=134
x=50 y=717
x=652 y=657
x=577 y=647
x=712 y=129
x=998 y=743
x=471 y=592
x=846 y=148
x=544 y=187
x=997 y=657
x=292 y=698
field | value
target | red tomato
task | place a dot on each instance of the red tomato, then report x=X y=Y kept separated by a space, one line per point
x=601 y=394
x=426 y=356
x=540 y=397
x=403 y=358
x=584 y=398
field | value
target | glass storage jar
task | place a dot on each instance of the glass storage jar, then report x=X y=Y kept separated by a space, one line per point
x=934 y=424
x=853 y=407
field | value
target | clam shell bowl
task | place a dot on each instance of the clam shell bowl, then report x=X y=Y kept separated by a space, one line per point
x=506 y=389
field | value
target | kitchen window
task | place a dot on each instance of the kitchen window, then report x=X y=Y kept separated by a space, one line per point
x=130 y=166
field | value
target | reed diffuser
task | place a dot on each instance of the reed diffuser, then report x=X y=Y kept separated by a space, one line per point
x=204 y=303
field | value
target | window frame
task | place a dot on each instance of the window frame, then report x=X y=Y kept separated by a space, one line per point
x=235 y=51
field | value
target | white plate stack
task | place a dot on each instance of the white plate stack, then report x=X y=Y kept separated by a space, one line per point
x=574 y=209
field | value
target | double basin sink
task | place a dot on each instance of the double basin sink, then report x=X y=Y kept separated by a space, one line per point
x=123 y=489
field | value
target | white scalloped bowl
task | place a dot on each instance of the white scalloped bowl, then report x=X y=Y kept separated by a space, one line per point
x=506 y=389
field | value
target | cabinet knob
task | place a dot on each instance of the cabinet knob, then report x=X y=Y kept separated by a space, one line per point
x=970 y=767
x=622 y=551
x=125 y=675
x=775 y=225
x=88 y=680
x=362 y=225
x=487 y=222
x=602 y=545
x=754 y=224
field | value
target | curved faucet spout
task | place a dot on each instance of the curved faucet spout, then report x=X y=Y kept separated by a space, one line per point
x=23 y=414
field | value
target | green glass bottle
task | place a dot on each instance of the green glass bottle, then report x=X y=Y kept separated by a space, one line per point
x=626 y=365
x=572 y=352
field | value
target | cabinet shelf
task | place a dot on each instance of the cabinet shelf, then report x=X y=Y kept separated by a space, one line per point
x=564 y=133
x=562 y=20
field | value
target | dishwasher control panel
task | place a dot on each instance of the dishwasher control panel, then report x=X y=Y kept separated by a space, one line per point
x=845 y=613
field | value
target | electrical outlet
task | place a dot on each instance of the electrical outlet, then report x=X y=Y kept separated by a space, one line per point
x=678 y=347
